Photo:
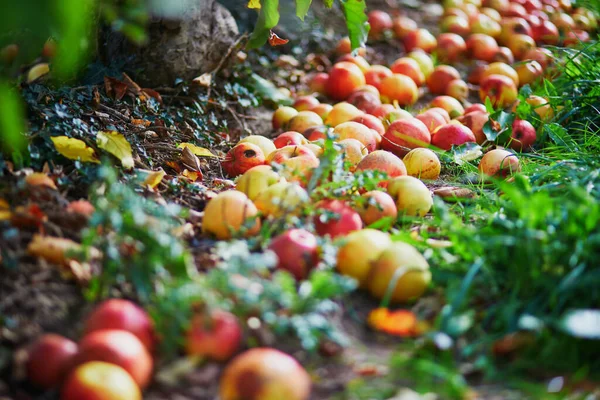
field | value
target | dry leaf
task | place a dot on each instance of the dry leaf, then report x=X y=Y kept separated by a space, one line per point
x=53 y=249
x=190 y=160
x=74 y=149
x=154 y=178
x=117 y=145
x=114 y=88
x=451 y=192
x=142 y=122
x=152 y=93
x=275 y=40
x=197 y=150
x=203 y=80
x=255 y=4
x=4 y=210
x=134 y=87
x=37 y=71
x=40 y=179
x=28 y=216
x=192 y=175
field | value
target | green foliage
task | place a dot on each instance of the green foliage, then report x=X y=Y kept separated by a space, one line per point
x=12 y=124
x=354 y=13
x=136 y=239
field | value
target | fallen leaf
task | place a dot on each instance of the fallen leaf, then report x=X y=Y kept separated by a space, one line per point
x=134 y=87
x=74 y=149
x=53 y=249
x=255 y=4
x=117 y=145
x=174 y=165
x=197 y=150
x=28 y=216
x=192 y=175
x=203 y=80
x=275 y=40
x=115 y=88
x=153 y=94
x=40 y=179
x=37 y=71
x=397 y=323
x=142 y=122
x=452 y=192
x=4 y=210
x=190 y=160
x=154 y=178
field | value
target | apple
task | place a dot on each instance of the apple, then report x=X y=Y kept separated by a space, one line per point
x=304 y=120
x=297 y=162
x=216 y=335
x=486 y=25
x=9 y=53
x=440 y=77
x=412 y=197
x=266 y=374
x=383 y=161
x=531 y=5
x=432 y=120
x=125 y=315
x=476 y=73
x=305 y=103
x=297 y=252
x=342 y=112
x=48 y=360
x=424 y=60
x=315 y=148
x=423 y=164
x=282 y=116
x=360 y=62
x=355 y=130
x=322 y=110
x=492 y=13
x=101 y=381
x=266 y=145
x=344 y=78
x=454 y=11
x=317 y=82
x=514 y=26
x=405 y=134
x=344 y=46
x=380 y=22
x=316 y=133
x=289 y=138
x=499 y=163
x=482 y=47
x=458 y=89
x=375 y=206
x=419 y=39
x=529 y=72
x=539 y=54
x=500 y=89
x=382 y=111
x=523 y=135
x=241 y=158
x=375 y=74
x=118 y=347
x=403 y=25
x=516 y=10
x=257 y=179
x=456 y=24
x=364 y=100
x=409 y=67
x=441 y=111
x=475 y=107
x=452 y=134
x=399 y=88
x=359 y=250
x=564 y=22
x=371 y=122
x=499 y=5
x=547 y=33
x=335 y=218
x=228 y=214
x=450 y=104
x=450 y=47
x=521 y=44
x=475 y=120
x=573 y=38
x=354 y=151
x=542 y=107
x=414 y=276
x=282 y=199
x=504 y=55
x=368 y=88
x=499 y=68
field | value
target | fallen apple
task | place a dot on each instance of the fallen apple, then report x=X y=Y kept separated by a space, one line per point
x=97 y=380
x=297 y=252
x=229 y=214
x=49 y=359
x=499 y=163
x=216 y=335
x=423 y=164
x=375 y=206
x=256 y=180
x=281 y=199
x=359 y=250
x=335 y=218
x=412 y=197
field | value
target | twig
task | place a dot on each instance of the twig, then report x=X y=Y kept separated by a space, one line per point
x=114 y=113
x=216 y=70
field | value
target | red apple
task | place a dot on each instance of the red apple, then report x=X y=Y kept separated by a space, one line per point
x=383 y=161
x=297 y=252
x=344 y=78
x=375 y=74
x=241 y=158
x=336 y=218
x=216 y=336
x=500 y=89
x=125 y=315
x=403 y=25
x=322 y=110
x=450 y=47
x=305 y=103
x=317 y=82
x=432 y=120
x=282 y=116
x=383 y=110
x=289 y=138
x=49 y=359
x=440 y=77
x=514 y=26
x=476 y=73
x=420 y=39
x=118 y=347
x=409 y=67
x=486 y=25
x=456 y=24
x=475 y=120
x=98 y=380
x=523 y=135
x=304 y=120
x=360 y=62
x=399 y=88
x=504 y=55
x=453 y=134
x=458 y=89
x=499 y=163
x=547 y=33
x=450 y=104
x=355 y=130
x=371 y=122
x=521 y=44
x=529 y=72
x=405 y=134
x=475 y=107
x=380 y=22
x=441 y=111
x=377 y=205
x=539 y=54
x=364 y=100
x=316 y=133
x=482 y=47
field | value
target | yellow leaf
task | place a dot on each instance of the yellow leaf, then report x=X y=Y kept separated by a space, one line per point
x=254 y=4
x=53 y=249
x=37 y=72
x=199 y=151
x=154 y=178
x=4 y=210
x=117 y=145
x=191 y=175
x=74 y=149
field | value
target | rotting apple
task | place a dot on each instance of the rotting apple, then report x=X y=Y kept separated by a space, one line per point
x=49 y=359
x=344 y=78
x=241 y=158
x=499 y=163
x=102 y=381
x=256 y=180
x=359 y=250
x=123 y=314
x=266 y=145
x=440 y=77
x=229 y=214
x=118 y=347
x=266 y=374
x=412 y=197
x=452 y=134
x=297 y=252
x=335 y=218
x=405 y=134
x=400 y=88
x=216 y=335
x=423 y=164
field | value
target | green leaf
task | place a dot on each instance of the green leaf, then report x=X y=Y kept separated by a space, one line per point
x=356 y=21
x=302 y=7
x=12 y=123
x=268 y=91
x=268 y=18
